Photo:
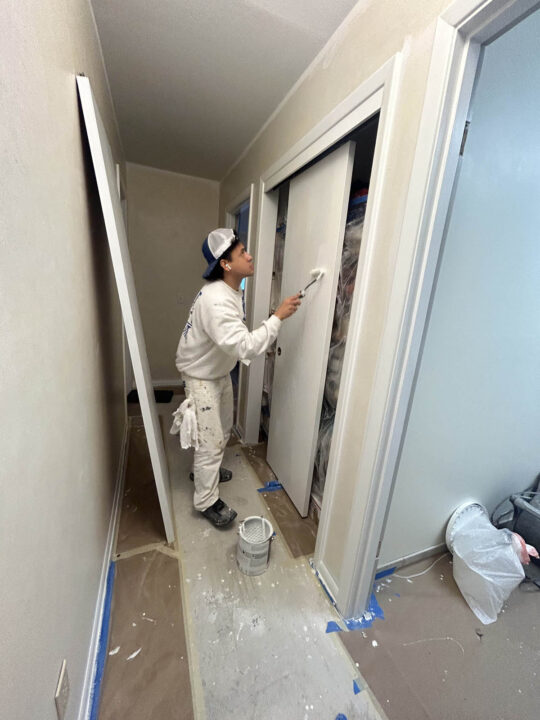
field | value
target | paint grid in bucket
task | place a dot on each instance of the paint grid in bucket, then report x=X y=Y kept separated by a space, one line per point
x=254 y=537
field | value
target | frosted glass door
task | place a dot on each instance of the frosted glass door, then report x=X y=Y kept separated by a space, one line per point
x=318 y=200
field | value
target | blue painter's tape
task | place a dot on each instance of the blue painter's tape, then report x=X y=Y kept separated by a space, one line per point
x=384 y=573
x=332 y=627
x=102 y=643
x=374 y=612
x=270 y=486
x=326 y=590
x=356 y=687
x=397 y=594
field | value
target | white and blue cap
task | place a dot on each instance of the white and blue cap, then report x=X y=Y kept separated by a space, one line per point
x=217 y=242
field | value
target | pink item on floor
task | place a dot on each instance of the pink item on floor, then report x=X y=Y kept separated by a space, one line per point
x=524 y=551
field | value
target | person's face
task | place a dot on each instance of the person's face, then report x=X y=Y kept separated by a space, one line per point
x=241 y=262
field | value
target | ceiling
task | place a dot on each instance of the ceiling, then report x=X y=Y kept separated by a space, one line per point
x=194 y=80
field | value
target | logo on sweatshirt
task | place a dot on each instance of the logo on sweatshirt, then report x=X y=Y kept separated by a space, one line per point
x=189 y=324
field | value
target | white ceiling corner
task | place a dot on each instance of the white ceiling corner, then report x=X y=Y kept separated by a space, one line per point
x=194 y=80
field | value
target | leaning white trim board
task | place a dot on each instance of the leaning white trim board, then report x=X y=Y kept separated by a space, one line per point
x=105 y=172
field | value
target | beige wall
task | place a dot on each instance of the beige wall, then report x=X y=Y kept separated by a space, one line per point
x=373 y=33
x=60 y=354
x=169 y=215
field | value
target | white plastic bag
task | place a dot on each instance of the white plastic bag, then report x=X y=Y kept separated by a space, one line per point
x=486 y=565
x=185 y=424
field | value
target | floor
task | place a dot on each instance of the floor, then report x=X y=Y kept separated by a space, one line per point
x=259 y=645
x=431 y=659
x=192 y=637
x=147 y=670
x=236 y=654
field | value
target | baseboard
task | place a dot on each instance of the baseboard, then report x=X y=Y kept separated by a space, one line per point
x=413 y=557
x=326 y=579
x=86 y=696
x=177 y=382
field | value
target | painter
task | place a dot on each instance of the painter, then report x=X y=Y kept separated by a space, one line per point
x=215 y=338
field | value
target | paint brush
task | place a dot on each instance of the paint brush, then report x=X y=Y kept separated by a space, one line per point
x=316 y=274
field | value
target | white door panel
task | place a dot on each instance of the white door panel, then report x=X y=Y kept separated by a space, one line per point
x=318 y=200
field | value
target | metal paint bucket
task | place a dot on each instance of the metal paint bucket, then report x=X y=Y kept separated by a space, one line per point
x=253 y=552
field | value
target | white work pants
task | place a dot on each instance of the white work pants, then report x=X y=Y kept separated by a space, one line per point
x=213 y=400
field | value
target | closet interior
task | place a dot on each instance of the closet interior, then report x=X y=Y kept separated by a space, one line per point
x=364 y=138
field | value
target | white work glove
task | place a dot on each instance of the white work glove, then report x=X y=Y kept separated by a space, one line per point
x=185 y=424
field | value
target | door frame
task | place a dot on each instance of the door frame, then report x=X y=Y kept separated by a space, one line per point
x=461 y=31
x=247 y=195
x=377 y=94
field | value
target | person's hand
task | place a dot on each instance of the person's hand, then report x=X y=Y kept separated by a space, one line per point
x=288 y=307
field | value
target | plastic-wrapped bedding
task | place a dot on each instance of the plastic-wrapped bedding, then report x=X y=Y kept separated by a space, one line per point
x=340 y=328
x=323 y=449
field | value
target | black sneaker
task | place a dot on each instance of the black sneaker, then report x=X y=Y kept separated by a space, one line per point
x=219 y=513
x=224 y=475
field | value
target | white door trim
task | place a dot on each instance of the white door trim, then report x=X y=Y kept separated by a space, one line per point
x=460 y=32
x=359 y=106
x=230 y=212
x=375 y=94
x=350 y=372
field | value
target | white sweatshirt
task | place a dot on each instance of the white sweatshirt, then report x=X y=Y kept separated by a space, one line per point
x=215 y=336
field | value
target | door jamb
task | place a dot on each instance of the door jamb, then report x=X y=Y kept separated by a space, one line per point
x=461 y=30
x=246 y=195
x=105 y=174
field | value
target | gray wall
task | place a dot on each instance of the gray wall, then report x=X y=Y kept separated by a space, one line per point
x=60 y=354
x=474 y=429
x=169 y=215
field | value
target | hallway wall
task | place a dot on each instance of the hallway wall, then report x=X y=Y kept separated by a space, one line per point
x=169 y=215
x=373 y=32
x=61 y=390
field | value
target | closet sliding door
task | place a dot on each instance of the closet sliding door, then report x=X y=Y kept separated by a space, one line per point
x=318 y=200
